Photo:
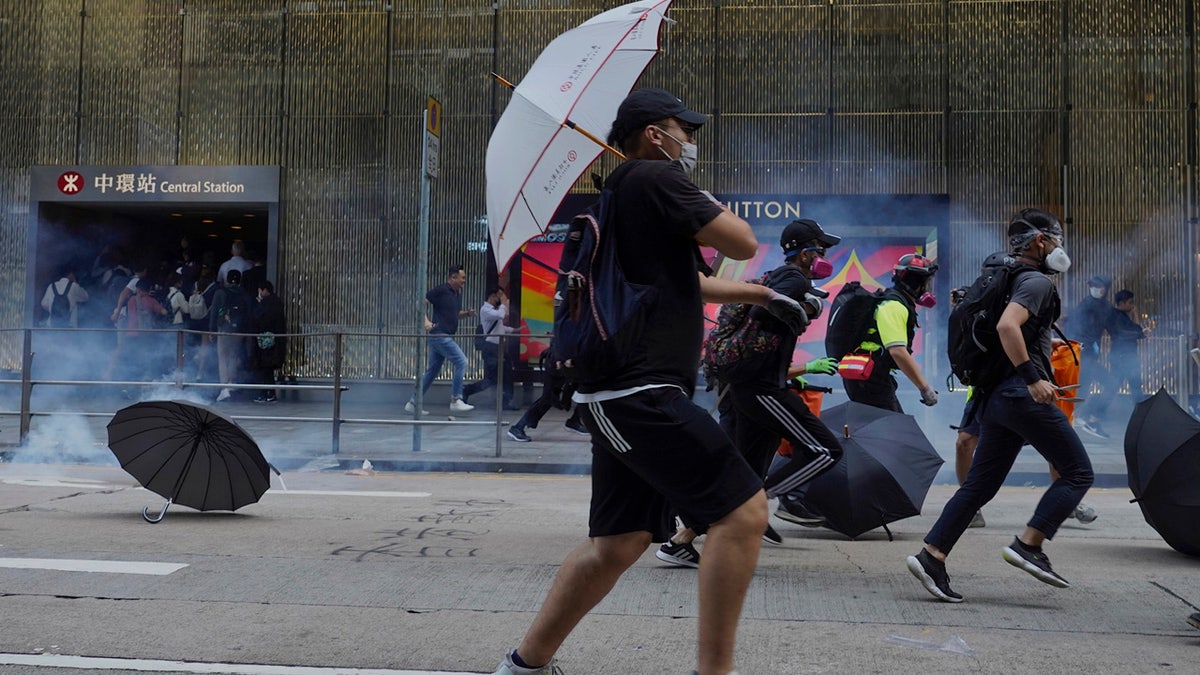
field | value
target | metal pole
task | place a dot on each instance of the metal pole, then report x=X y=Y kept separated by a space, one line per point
x=422 y=278
x=180 y=359
x=1185 y=370
x=501 y=348
x=26 y=382
x=337 y=393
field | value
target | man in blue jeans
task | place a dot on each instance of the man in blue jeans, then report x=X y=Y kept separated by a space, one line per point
x=446 y=301
x=1019 y=409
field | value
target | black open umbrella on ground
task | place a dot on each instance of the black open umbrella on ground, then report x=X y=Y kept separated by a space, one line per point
x=885 y=472
x=190 y=455
x=1162 y=456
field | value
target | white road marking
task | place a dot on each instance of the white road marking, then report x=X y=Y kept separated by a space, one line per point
x=154 y=665
x=109 y=566
x=349 y=493
x=33 y=481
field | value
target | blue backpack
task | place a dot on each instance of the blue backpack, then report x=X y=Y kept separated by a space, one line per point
x=601 y=315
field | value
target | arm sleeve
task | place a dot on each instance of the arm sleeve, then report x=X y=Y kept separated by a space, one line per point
x=78 y=295
x=48 y=298
x=491 y=318
x=1032 y=291
x=891 y=319
x=675 y=195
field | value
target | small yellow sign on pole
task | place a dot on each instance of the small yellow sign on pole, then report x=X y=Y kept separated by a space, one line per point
x=433 y=118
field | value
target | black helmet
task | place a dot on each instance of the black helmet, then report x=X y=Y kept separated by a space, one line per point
x=912 y=271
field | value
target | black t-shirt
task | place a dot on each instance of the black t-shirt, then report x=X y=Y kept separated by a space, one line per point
x=447 y=303
x=771 y=368
x=657 y=213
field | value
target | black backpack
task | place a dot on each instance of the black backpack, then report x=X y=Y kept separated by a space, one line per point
x=602 y=314
x=972 y=342
x=238 y=310
x=60 y=306
x=851 y=315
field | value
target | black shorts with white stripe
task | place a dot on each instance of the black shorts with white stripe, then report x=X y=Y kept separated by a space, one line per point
x=656 y=454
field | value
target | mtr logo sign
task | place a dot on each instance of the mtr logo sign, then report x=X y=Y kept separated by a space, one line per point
x=70 y=183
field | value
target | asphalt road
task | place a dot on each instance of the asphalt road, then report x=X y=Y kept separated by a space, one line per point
x=345 y=572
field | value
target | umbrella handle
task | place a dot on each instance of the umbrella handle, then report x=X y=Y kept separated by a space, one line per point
x=161 y=514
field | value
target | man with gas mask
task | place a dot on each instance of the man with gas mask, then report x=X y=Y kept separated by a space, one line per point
x=756 y=407
x=1019 y=409
x=890 y=337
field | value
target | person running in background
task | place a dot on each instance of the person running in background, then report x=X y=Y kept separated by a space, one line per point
x=492 y=316
x=556 y=393
x=889 y=340
x=1019 y=409
x=446 y=302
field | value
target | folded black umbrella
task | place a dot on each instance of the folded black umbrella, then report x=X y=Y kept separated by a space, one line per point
x=188 y=454
x=886 y=469
x=1162 y=457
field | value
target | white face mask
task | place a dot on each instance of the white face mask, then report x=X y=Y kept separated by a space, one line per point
x=688 y=153
x=1097 y=293
x=1058 y=260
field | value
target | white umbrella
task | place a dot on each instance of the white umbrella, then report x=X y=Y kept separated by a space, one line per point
x=542 y=144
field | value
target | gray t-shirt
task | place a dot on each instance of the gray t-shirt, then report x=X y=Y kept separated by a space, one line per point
x=1035 y=292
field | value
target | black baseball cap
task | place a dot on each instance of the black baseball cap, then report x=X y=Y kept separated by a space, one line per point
x=643 y=106
x=799 y=232
x=1100 y=281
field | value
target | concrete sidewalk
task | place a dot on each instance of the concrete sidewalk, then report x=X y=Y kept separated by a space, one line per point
x=464 y=442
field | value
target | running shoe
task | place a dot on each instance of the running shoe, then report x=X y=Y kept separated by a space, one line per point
x=459 y=405
x=772 y=537
x=576 y=425
x=1093 y=428
x=931 y=572
x=977 y=520
x=684 y=555
x=1194 y=620
x=1084 y=513
x=1034 y=561
x=507 y=667
x=794 y=512
x=518 y=434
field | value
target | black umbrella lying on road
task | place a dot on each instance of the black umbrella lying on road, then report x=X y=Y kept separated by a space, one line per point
x=885 y=472
x=1162 y=457
x=190 y=455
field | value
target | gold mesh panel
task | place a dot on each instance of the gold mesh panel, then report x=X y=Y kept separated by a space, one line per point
x=1080 y=107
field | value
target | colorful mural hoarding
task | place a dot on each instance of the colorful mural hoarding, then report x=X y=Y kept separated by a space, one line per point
x=875 y=229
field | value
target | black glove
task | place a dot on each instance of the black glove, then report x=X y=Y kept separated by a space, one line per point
x=787 y=310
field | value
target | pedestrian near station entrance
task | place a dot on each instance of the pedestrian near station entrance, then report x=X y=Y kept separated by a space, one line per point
x=644 y=425
x=1019 y=409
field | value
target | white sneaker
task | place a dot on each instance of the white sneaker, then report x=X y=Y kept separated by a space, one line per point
x=457 y=405
x=507 y=667
x=409 y=407
x=225 y=393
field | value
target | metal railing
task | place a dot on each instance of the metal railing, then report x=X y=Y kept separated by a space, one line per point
x=178 y=379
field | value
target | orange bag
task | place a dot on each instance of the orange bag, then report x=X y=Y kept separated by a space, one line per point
x=813 y=400
x=1066 y=372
